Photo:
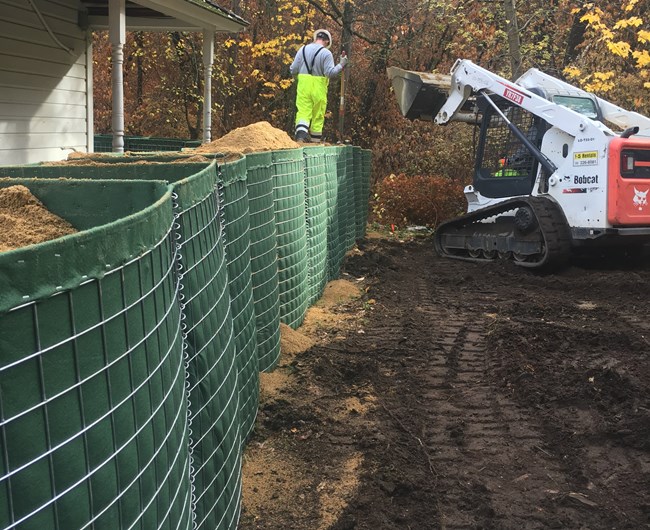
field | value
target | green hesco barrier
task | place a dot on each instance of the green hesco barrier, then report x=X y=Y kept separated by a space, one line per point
x=343 y=203
x=351 y=215
x=289 y=207
x=360 y=197
x=93 y=412
x=264 y=263
x=333 y=242
x=366 y=164
x=111 y=167
x=316 y=219
x=104 y=143
x=215 y=439
x=235 y=217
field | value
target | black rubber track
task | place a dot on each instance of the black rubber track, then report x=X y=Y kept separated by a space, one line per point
x=553 y=231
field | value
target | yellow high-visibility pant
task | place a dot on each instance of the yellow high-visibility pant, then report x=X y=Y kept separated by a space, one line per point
x=311 y=102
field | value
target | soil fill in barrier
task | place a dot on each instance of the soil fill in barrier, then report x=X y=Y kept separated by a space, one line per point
x=210 y=356
x=235 y=218
x=333 y=242
x=289 y=207
x=264 y=262
x=316 y=221
x=93 y=417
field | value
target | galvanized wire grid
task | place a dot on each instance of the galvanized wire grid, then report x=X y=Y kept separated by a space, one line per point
x=112 y=436
x=289 y=207
x=215 y=438
x=316 y=219
x=343 y=210
x=236 y=222
x=100 y=439
x=333 y=265
x=349 y=187
x=264 y=264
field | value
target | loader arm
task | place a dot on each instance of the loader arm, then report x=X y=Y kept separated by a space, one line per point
x=620 y=117
x=467 y=78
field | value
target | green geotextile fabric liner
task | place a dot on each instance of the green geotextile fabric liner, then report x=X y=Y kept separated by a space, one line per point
x=104 y=143
x=333 y=265
x=124 y=168
x=215 y=439
x=100 y=246
x=316 y=212
x=264 y=263
x=366 y=164
x=349 y=185
x=360 y=194
x=344 y=207
x=236 y=222
x=211 y=370
x=291 y=229
x=93 y=410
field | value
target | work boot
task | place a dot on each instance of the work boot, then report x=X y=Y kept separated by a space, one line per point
x=302 y=136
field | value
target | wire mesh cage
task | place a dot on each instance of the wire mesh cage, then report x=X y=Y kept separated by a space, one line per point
x=93 y=417
x=264 y=253
x=233 y=194
x=289 y=211
x=316 y=221
x=333 y=241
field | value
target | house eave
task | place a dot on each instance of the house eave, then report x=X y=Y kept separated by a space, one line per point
x=166 y=15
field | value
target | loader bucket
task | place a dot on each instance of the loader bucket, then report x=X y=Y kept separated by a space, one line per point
x=420 y=95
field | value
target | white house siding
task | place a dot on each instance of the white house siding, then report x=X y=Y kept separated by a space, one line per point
x=43 y=87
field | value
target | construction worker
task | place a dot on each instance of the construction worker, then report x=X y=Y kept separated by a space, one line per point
x=314 y=66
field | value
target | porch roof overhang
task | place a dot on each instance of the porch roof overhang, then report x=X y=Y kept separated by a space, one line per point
x=166 y=15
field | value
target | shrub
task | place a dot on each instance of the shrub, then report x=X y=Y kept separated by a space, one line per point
x=419 y=200
x=424 y=148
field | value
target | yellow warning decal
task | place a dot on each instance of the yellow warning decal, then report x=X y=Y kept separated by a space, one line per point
x=585 y=158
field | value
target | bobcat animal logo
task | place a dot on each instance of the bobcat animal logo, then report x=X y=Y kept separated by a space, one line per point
x=640 y=198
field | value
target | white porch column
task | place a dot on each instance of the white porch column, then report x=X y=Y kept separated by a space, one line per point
x=208 y=59
x=90 y=101
x=117 y=35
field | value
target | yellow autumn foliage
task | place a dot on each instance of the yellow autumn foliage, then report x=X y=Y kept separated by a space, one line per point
x=616 y=34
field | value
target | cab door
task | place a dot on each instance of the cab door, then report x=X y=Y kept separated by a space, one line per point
x=628 y=198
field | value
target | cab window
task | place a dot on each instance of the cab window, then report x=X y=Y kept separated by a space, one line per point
x=584 y=106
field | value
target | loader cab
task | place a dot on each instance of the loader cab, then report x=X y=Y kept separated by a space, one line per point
x=504 y=166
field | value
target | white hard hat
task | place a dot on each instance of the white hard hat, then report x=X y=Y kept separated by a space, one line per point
x=323 y=34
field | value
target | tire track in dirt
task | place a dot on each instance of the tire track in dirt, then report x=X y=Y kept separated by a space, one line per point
x=469 y=397
x=468 y=417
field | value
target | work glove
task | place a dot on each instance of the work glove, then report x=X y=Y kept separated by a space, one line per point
x=344 y=60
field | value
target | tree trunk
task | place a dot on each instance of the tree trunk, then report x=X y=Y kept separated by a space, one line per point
x=512 y=30
x=346 y=46
x=139 y=88
x=576 y=37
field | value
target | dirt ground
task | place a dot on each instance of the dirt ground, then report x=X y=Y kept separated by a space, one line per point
x=448 y=395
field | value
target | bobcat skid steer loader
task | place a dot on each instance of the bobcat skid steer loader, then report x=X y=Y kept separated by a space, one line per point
x=557 y=169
